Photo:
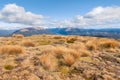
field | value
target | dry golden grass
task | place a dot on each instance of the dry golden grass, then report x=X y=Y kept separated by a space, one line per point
x=58 y=37
x=77 y=46
x=88 y=59
x=59 y=51
x=27 y=43
x=49 y=62
x=67 y=55
x=60 y=41
x=9 y=42
x=64 y=69
x=109 y=44
x=18 y=36
x=11 y=49
x=85 y=53
x=68 y=59
x=56 y=54
x=71 y=39
x=92 y=45
x=44 y=42
x=74 y=53
x=111 y=50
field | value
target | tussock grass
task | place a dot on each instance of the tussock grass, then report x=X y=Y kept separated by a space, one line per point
x=44 y=42
x=11 y=49
x=9 y=67
x=49 y=62
x=68 y=59
x=85 y=53
x=57 y=37
x=108 y=44
x=77 y=46
x=27 y=43
x=71 y=40
x=74 y=53
x=55 y=52
x=59 y=51
x=18 y=36
x=64 y=55
x=9 y=42
x=92 y=45
x=64 y=69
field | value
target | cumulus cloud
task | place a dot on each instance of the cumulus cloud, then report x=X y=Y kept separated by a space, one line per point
x=11 y=13
x=99 y=17
x=106 y=13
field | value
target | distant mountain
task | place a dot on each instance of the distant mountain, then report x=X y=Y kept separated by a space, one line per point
x=32 y=31
x=6 y=32
x=109 y=33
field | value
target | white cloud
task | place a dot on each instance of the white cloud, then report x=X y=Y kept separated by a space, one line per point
x=10 y=26
x=106 y=13
x=99 y=17
x=11 y=13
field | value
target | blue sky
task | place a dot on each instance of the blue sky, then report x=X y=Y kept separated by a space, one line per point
x=68 y=13
x=60 y=9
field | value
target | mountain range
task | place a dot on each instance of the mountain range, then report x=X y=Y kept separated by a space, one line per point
x=6 y=32
x=108 y=32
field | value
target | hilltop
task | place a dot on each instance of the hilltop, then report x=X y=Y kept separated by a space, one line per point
x=58 y=57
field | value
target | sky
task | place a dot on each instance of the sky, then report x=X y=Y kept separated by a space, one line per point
x=15 y=14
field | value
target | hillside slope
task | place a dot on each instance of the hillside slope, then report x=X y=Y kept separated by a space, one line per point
x=55 y=57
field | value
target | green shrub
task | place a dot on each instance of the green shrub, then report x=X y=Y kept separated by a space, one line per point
x=8 y=67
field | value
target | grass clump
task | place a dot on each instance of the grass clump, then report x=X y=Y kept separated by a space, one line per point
x=63 y=55
x=68 y=59
x=64 y=69
x=18 y=36
x=108 y=44
x=70 y=41
x=44 y=42
x=49 y=62
x=9 y=67
x=92 y=45
x=57 y=37
x=85 y=53
x=11 y=49
x=27 y=43
x=59 y=52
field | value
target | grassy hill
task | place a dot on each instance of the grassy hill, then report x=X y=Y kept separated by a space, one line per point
x=57 y=57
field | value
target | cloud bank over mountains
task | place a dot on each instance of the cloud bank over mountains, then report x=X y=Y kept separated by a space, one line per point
x=99 y=17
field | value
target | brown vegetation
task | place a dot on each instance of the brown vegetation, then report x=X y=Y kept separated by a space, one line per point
x=27 y=43
x=48 y=61
x=11 y=49
x=85 y=53
x=69 y=59
x=109 y=44
x=18 y=36
x=51 y=57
